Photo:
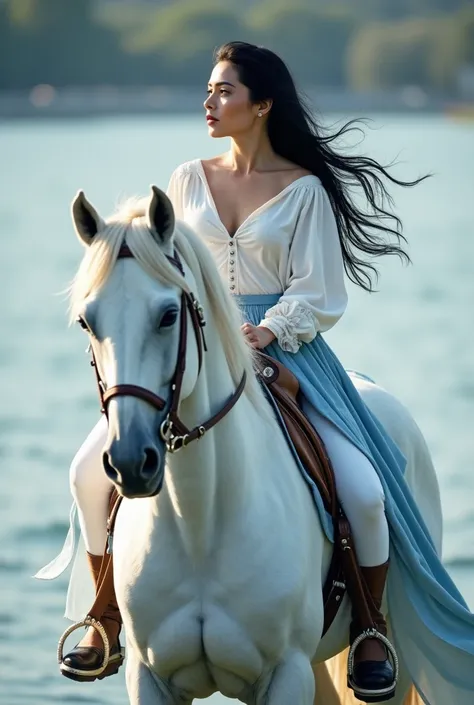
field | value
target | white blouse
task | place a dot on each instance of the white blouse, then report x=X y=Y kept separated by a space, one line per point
x=288 y=246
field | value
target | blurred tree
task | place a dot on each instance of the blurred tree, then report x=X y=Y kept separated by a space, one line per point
x=21 y=13
x=184 y=36
x=466 y=21
x=328 y=42
x=41 y=13
x=7 y=43
x=57 y=43
x=313 y=42
x=399 y=9
x=413 y=52
x=445 y=52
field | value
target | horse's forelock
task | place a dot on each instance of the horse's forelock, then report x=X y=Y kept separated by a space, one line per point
x=126 y=224
x=130 y=209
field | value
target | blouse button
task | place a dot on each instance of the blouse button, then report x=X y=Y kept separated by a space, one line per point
x=231 y=261
x=231 y=279
x=232 y=252
x=231 y=243
x=232 y=287
x=231 y=270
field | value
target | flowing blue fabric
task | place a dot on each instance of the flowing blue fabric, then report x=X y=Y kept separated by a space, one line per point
x=432 y=626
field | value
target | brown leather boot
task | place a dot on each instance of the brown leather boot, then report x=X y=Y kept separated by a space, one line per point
x=373 y=678
x=84 y=661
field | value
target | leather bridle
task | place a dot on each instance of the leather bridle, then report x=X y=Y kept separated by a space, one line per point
x=172 y=430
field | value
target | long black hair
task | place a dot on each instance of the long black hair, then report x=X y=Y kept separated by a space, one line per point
x=295 y=135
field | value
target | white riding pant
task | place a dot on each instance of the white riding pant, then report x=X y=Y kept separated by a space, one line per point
x=359 y=489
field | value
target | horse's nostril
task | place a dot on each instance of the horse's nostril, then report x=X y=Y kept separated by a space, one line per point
x=131 y=468
x=151 y=462
x=109 y=469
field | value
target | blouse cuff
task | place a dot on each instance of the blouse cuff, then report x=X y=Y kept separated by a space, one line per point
x=292 y=324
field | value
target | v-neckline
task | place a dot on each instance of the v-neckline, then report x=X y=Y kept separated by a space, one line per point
x=257 y=210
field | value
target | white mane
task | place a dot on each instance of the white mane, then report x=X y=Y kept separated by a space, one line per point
x=128 y=224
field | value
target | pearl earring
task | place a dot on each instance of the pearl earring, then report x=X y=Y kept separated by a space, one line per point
x=259 y=113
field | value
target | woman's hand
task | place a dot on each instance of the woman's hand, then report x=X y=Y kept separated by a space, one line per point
x=257 y=336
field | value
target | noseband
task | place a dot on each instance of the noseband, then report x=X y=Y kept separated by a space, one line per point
x=173 y=431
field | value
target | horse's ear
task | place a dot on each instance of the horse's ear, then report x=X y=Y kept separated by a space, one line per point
x=87 y=221
x=160 y=216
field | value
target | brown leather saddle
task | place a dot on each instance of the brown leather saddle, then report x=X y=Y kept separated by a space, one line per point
x=284 y=388
x=344 y=572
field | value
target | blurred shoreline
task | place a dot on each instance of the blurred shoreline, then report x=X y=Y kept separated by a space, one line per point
x=45 y=101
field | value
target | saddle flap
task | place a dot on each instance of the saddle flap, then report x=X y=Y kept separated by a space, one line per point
x=284 y=388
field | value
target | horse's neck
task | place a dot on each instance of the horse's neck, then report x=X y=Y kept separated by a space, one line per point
x=207 y=482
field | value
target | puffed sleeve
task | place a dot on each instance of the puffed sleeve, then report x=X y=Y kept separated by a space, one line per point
x=315 y=296
x=176 y=190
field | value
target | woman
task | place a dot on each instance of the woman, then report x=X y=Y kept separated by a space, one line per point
x=277 y=214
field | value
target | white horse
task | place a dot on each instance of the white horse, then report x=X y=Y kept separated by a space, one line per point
x=219 y=555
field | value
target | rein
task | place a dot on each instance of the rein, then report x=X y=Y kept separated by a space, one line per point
x=183 y=436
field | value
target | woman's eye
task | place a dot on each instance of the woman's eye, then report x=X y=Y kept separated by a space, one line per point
x=169 y=318
x=222 y=91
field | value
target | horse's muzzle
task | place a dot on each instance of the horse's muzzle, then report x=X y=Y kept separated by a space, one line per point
x=136 y=472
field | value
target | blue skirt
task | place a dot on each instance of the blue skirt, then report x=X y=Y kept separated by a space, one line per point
x=432 y=625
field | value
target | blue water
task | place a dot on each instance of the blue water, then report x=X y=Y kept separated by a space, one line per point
x=415 y=337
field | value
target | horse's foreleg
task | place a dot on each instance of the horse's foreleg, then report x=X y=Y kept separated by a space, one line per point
x=292 y=682
x=143 y=689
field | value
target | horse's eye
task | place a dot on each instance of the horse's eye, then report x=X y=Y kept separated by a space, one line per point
x=82 y=323
x=169 y=318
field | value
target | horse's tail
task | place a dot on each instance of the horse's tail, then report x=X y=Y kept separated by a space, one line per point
x=331 y=684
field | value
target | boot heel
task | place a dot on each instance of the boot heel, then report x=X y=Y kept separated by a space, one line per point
x=113 y=667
